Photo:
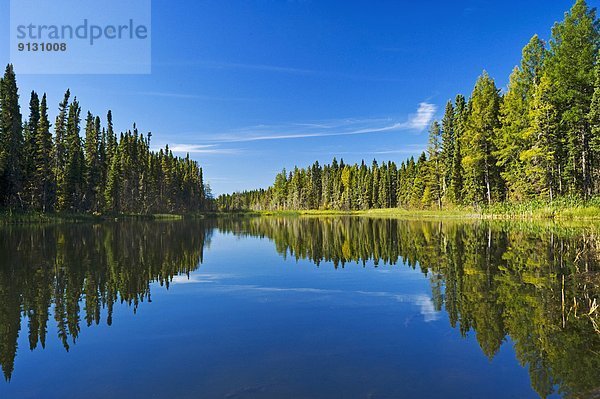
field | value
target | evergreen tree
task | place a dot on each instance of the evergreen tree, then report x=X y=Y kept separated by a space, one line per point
x=93 y=169
x=539 y=158
x=483 y=182
x=573 y=50
x=70 y=189
x=29 y=147
x=435 y=168
x=594 y=121
x=59 y=150
x=513 y=137
x=459 y=125
x=448 y=145
x=11 y=141
x=43 y=177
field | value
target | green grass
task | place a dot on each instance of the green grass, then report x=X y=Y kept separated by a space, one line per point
x=563 y=209
x=39 y=217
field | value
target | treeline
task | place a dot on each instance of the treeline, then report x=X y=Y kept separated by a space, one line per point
x=99 y=172
x=538 y=140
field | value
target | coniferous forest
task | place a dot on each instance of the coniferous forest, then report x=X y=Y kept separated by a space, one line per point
x=537 y=141
x=94 y=172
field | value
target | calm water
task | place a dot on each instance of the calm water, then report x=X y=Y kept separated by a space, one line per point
x=299 y=308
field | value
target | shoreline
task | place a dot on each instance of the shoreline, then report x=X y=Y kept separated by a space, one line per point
x=546 y=213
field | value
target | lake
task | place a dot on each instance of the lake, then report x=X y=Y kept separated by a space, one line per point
x=300 y=307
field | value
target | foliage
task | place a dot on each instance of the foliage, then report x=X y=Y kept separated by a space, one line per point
x=96 y=173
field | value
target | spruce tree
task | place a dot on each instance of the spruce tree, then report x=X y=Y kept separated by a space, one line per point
x=483 y=184
x=59 y=150
x=43 y=180
x=459 y=124
x=11 y=141
x=29 y=146
x=70 y=191
x=435 y=169
x=93 y=169
x=448 y=146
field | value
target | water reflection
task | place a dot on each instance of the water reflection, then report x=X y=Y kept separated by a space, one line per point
x=69 y=273
x=538 y=285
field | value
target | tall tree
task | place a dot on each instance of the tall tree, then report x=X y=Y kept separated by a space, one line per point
x=93 y=167
x=539 y=158
x=43 y=177
x=29 y=146
x=70 y=191
x=435 y=170
x=483 y=182
x=11 y=141
x=594 y=121
x=573 y=50
x=448 y=146
x=59 y=148
x=513 y=137
x=459 y=125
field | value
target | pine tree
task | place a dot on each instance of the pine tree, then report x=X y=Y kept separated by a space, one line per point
x=419 y=182
x=539 y=158
x=435 y=169
x=93 y=169
x=113 y=184
x=29 y=146
x=11 y=141
x=59 y=150
x=70 y=191
x=573 y=50
x=483 y=182
x=43 y=176
x=448 y=146
x=459 y=124
x=512 y=137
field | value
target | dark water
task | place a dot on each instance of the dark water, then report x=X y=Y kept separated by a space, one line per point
x=299 y=308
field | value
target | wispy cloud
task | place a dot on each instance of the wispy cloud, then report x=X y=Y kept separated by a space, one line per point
x=347 y=127
x=224 y=65
x=182 y=148
x=407 y=149
x=422 y=118
x=193 y=96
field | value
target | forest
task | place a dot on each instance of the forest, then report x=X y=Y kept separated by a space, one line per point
x=539 y=140
x=97 y=172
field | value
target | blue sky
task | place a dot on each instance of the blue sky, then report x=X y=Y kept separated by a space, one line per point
x=250 y=87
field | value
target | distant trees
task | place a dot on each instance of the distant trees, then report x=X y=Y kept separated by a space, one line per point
x=93 y=172
x=538 y=140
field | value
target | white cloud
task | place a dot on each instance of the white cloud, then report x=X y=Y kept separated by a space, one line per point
x=183 y=148
x=423 y=117
x=220 y=65
x=347 y=127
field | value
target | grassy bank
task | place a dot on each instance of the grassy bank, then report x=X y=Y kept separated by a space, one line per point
x=563 y=209
x=38 y=217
